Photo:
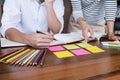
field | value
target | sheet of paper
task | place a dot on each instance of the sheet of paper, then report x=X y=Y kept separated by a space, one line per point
x=69 y=37
x=63 y=54
x=84 y=45
x=80 y=52
x=8 y=43
x=56 y=48
x=95 y=49
x=71 y=46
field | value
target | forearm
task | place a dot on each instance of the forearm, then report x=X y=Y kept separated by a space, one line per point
x=53 y=22
x=81 y=22
x=15 y=35
x=110 y=26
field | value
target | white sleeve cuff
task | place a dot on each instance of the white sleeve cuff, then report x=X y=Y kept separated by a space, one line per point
x=3 y=29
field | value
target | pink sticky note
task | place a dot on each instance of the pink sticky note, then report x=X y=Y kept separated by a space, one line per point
x=80 y=52
x=56 y=48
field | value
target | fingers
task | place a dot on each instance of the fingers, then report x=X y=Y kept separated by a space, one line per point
x=112 y=37
x=44 y=34
x=41 y=45
x=86 y=36
x=91 y=33
x=39 y=40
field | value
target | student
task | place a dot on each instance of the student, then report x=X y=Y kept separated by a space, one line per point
x=95 y=12
x=22 y=18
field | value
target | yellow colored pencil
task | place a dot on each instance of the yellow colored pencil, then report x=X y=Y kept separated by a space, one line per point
x=15 y=57
x=13 y=54
x=24 y=57
x=31 y=59
x=27 y=59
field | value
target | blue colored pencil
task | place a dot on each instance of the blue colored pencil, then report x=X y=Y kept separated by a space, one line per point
x=39 y=57
x=31 y=64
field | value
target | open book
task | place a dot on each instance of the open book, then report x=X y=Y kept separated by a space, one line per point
x=62 y=38
x=8 y=43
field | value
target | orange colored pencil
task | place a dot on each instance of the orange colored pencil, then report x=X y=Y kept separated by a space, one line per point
x=43 y=58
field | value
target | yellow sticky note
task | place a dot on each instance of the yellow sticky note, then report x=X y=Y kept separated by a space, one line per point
x=63 y=54
x=84 y=45
x=71 y=46
x=95 y=49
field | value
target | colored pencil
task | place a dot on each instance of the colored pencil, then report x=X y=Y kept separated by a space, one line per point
x=28 y=63
x=27 y=59
x=14 y=61
x=18 y=55
x=3 y=55
x=31 y=64
x=31 y=52
x=38 y=57
x=23 y=57
x=43 y=58
x=11 y=55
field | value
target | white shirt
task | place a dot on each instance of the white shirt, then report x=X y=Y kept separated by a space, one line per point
x=29 y=15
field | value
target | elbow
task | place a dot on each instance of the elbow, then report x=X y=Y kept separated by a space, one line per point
x=57 y=28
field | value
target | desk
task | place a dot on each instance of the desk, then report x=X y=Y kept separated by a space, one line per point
x=100 y=66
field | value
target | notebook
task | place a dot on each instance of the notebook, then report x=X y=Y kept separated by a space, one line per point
x=62 y=38
x=8 y=43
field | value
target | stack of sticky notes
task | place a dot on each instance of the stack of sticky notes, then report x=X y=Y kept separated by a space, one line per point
x=23 y=56
x=75 y=49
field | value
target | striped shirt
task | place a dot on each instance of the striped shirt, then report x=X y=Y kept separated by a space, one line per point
x=94 y=11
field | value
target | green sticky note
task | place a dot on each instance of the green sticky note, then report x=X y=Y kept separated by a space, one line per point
x=63 y=54
x=71 y=46
x=95 y=49
x=84 y=45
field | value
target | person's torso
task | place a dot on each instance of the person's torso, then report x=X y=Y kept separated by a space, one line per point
x=33 y=16
x=93 y=10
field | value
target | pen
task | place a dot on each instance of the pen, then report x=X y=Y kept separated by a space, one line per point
x=44 y=33
x=39 y=32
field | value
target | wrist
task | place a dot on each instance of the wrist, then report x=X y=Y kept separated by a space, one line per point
x=49 y=4
x=82 y=23
x=26 y=39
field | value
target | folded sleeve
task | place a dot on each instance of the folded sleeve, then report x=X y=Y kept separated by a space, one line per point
x=59 y=11
x=110 y=9
x=77 y=10
x=11 y=15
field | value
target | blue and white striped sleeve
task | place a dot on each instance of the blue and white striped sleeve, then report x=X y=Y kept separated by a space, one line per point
x=77 y=10
x=110 y=9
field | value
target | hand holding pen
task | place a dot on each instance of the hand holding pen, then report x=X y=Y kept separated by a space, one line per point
x=40 y=39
